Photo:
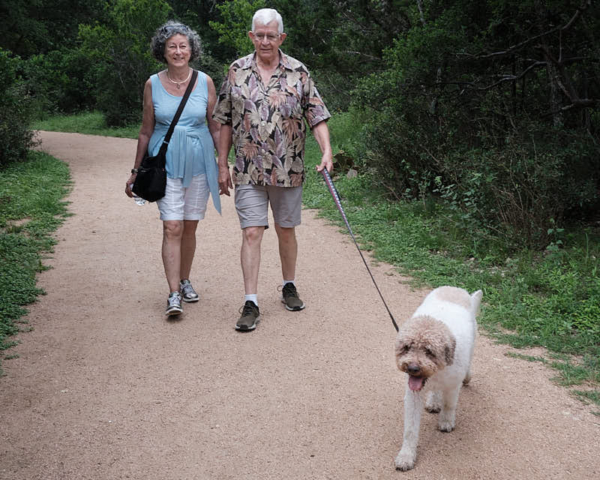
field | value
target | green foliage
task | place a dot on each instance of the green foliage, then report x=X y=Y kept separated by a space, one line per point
x=121 y=56
x=236 y=21
x=342 y=41
x=589 y=396
x=60 y=81
x=16 y=112
x=31 y=208
x=36 y=27
x=455 y=116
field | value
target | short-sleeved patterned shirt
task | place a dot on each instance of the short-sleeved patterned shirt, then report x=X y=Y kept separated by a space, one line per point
x=268 y=123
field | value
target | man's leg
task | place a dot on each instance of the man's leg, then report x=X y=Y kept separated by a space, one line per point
x=287 y=211
x=251 y=204
x=288 y=251
x=250 y=257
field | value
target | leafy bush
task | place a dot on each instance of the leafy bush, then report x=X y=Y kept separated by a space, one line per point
x=236 y=22
x=16 y=112
x=60 y=81
x=120 y=53
x=509 y=155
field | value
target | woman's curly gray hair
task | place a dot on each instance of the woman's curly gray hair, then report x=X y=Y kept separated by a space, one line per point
x=166 y=31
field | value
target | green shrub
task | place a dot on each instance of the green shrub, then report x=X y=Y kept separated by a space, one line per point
x=16 y=112
x=439 y=122
x=59 y=81
x=120 y=53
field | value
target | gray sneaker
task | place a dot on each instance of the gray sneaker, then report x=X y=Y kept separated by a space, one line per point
x=290 y=298
x=187 y=292
x=250 y=317
x=174 y=304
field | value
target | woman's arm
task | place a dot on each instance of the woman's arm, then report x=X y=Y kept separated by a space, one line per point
x=146 y=131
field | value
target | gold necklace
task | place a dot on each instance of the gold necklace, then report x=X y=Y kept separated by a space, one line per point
x=179 y=83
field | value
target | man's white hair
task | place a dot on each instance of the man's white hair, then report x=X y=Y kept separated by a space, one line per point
x=267 y=15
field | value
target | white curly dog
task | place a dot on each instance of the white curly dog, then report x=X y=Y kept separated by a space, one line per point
x=435 y=348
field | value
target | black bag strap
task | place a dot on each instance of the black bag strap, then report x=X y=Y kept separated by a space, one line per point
x=184 y=100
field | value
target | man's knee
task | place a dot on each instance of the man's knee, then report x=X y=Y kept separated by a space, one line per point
x=285 y=233
x=253 y=235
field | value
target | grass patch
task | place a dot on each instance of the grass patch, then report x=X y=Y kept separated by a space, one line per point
x=31 y=209
x=589 y=397
x=90 y=123
x=527 y=358
x=547 y=299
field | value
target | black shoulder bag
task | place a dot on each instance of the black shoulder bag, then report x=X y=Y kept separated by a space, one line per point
x=151 y=180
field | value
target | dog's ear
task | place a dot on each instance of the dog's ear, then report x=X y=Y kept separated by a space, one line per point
x=449 y=349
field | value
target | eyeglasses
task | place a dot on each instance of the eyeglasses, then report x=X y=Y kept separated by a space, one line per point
x=270 y=37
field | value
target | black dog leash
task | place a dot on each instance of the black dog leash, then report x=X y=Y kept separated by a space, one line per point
x=336 y=198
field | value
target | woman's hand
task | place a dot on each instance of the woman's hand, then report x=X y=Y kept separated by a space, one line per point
x=128 y=185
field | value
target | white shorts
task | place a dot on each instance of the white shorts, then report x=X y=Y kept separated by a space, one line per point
x=181 y=203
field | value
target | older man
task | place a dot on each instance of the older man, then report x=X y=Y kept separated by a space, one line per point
x=262 y=107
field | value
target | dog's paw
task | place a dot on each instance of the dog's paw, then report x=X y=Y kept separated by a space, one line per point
x=446 y=426
x=405 y=460
x=433 y=404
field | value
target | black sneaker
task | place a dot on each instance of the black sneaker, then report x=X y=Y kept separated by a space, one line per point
x=250 y=317
x=290 y=298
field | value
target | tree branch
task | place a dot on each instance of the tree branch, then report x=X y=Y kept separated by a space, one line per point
x=585 y=4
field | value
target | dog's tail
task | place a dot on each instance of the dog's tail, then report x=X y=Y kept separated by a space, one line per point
x=476 y=302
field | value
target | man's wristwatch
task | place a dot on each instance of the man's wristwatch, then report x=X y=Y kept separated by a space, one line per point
x=134 y=170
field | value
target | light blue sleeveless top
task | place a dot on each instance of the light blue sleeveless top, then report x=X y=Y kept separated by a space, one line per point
x=191 y=150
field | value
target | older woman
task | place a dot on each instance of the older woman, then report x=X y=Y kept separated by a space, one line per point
x=191 y=166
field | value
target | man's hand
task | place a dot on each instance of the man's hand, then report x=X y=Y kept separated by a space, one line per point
x=224 y=181
x=321 y=133
x=326 y=162
x=225 y=141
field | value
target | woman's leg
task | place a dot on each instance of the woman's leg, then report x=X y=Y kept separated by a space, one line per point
x=188 y=248
x=171 y=252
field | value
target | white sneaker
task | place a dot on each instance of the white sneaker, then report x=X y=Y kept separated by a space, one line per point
x=174 y=304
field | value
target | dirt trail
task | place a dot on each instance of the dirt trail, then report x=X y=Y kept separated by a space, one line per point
x=106 y=388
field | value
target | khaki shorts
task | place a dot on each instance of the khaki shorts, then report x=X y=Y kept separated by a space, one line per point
x=252 y=205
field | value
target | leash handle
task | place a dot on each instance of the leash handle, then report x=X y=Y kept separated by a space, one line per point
x=338 y=203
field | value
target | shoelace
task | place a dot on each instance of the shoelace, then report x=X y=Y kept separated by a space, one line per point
x=248 y=309
x=187 y=289
x=289 y=290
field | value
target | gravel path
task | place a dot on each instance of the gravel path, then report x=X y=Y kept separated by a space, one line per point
x=105 y=388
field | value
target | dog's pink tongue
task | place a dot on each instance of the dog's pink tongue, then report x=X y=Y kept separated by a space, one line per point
x=415 y=383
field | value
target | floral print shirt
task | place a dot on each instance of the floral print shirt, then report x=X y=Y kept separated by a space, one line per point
x=268 y=125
